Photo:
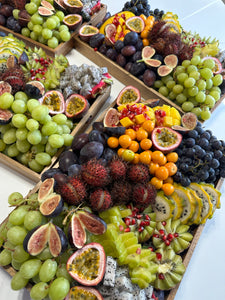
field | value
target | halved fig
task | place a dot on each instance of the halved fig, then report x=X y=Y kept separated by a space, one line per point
x=57 y=240
x=59 y=4
x=45 y=12
x=52 y=206
x=73 y=21
x=91 y=222
x=83 y=292
x=5 y=87
x=5 y=116
x=164 y=70
x=76 y=232
x=73 y=6
x=147 y=52
x=11 y=62
x=87 y=31
x=46 y=188
x=54 y=100
x=110 y=33
x=189 y=120
x=76 y=106
x=171 y=60
x=34 y=89
x=151 y=62
x=23 y=58
x=135 y=23
x=47 y=4
x=87 y=265
x=129 y=94
x=111 y=117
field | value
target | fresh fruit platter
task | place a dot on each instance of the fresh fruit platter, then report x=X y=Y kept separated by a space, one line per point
x=44 y=102
x=120 y=213
x=150 y=50
x=49 y=24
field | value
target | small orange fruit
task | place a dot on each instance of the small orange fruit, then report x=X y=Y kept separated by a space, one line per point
x=145 y=42
x=172 y=168
x=148 y=125
x=172 y=157
x=158 y=157
x=120 y=152
x=162 y=173
x=141 y=134
x=146 y=144
x=128 y=155
x=113 y=142
x=144 y=34
x=164 y=161
x=168 y=180
x=136 y=158
x=156 y=182
x=145 y=157
x=125 y=140
x=131 y=132
x=153 y=167
x=134 y=146
x=168 y=189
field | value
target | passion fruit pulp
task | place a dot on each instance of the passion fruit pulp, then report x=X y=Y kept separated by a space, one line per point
x=83 y=292
x=127 y=95
x=136 y=24
x=87 y=31
x=54 y=100
x=73 y=21
x=76 y=106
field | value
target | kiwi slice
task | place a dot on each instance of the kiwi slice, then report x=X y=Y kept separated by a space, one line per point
x=163 y=207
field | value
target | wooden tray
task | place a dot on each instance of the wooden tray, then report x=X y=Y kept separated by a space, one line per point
x=80 y=127
x=62 y=48
x=125 y=77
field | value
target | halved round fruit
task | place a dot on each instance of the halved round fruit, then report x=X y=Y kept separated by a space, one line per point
x=83 y=292
x=110 y=33
x=59 y=4
x=129 y=94
x=54 y=100
x=73 y=6
x=189 y=120
x=111 y=117
x=47 y=4
x=165 y=139
x=136 y=24
x=218 y=66
x=34 y=89
x=5 y=87
x=147 y=52
x=87 y=265
x=44 y=11
x=76 y=232
x=76 y=106
x=164 y=70
x=171 y=60
x=87 y=31
x=73 y=21
x=5 y=116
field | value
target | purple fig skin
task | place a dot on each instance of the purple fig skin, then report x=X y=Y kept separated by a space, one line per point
x=50 y=211
x=31 y=235
x=54 y=229
x=92 y=223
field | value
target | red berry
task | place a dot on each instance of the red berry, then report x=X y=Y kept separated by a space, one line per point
x=140 y=229
x=170 y=236
x=127 y=229
x=158 y=256
x=176 y=234
x=161 y=231
x=147 y=217
x=156 y=236
x=164 y=223
x=164 y=237
x=133 y=221
x=167 y=242
x=161 y=276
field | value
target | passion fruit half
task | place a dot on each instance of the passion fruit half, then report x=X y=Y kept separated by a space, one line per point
x=135 y=23
x=76 y=106
x=73 y=21
x=54 y=100
x=73 y=6
x=83 y=292
x=129 y=94
x=87 y=31
x=87 y=265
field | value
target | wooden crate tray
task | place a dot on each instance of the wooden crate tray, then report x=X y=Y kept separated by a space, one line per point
x=80 y=127
x=125 y=77
x=62 y=48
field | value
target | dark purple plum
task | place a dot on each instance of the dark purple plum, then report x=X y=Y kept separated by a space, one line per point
x=91 y=150
x=138 y=68
x=111 y=53
x=149 y=77
x=137 y=56
x=98 y=126
x=66 y=159
x=60 y=178
x=128 y=66
x=108 y=154
x=139 y=45
x=2 y=20
x=97 y=136
x=50 y=173
x=79 y=141
x=121 y=60
x=97 y=40
x=131 y=38
x=128 y=50
x=103 y=49
x=119 y=45
x=74 y=170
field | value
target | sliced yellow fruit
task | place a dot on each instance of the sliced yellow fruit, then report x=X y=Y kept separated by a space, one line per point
x=139 y=119
x=126 y=122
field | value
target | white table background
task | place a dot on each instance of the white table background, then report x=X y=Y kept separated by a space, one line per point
x=204 y=277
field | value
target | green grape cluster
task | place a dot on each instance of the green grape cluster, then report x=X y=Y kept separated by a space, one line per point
x=47 y=30
x=193 y=86
x=48 y=275
x=33 y=136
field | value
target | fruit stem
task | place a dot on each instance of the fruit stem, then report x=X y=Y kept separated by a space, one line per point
x=70 y=213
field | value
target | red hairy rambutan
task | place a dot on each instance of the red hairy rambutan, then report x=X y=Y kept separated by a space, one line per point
x=100 y=200
x=143 y=195
x=138 y=173
x=15 y=77
x=117 y=168
x=121 y=192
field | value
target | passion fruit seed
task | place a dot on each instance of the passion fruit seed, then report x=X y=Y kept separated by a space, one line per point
x=165 y=137
x=75 y=105
x=53 y=101
x=128 y=96
x=72 y=19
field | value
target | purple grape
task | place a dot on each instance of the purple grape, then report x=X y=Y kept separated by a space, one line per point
x=66 y=159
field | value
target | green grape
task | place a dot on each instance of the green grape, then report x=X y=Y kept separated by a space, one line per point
x=187 y=106
x=21 y=134
x=19 y=107
x=44 y=139
x=205 y=114
x=45 y=254
x=18 y=282
x=215 y=95
x=37 y=19
x=41 y=39
x=33 y=35
x=69 y=123
x=2 y=145
x=48 y=270
x=209 y=63
x=32 y=124
x=56 y=140
x=193 y=91
x=193 y=100
x=15 y=198
x=43 y=158
x=209 y=84
x=196 y=60
x=34 y=137
x=197 y=111
x=163 y=90
x=12 y=150
x=181 y=77
x=181 y=98
x=23 y=146
x=206 y=73
x=15 y=264
x=195 y=75
x=191 y=68
x=217 y=79
x=16 y=235
x=25 y=32
x=40 y=112
x=51 y=23
x=21 y=96
x=37 y=148
x=209 y=101
x=50 y=150
x=166 y=78
x=185 y=63
x=15 y=13
x=33 y=202
x=172 y=96
x=6 y=100
x=60 y=14
x=23 y=158
x=66 y=128
x=46 y=119
x=4 y=128
x=59 y=130
x=157 y=83
x=65 y=35
x=60 y=119
x=30 y=268
x=37 y=29
x=19 y=120
x=37 y=2
x=68 y=138
x=31 y=104
x=31 y=8
x=36 y=167
x=30 y=25
x=32 y=219
x=170 y=84
x=39 y=291
x=189 y=82
x=53 y=42
x=56 y=18
x=62 y=272
x=5 y=257
x=49 y=128
x=200 y=97
x=8 y=245
x=9 y=137
x=178 y=88
x=201 y=84
x=59 y=288
x=216 y=88
x=180 y=69
x=19 y=254
x=46 y=33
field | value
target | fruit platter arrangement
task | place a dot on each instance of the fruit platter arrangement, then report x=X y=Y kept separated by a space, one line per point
x=150 y=50
x=119 y=215
x=44 y=102
x=49 y=24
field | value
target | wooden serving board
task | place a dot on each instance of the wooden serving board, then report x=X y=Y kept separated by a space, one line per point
x=62 y=48
x=80 y=127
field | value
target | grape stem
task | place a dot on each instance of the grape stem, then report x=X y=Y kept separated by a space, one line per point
x=70 y=213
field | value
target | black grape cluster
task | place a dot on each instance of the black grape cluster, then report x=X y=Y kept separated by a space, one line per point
x=139 y=7
x=201 y=157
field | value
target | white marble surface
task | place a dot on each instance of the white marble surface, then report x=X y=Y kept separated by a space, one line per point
x=204 y=277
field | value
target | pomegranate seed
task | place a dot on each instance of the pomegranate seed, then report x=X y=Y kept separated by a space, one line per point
x=170 y=236
x=164 y=238
x=158 y=130
x=133 y=221
x=139 y=216
x=161 y=231
x=147 y=223
x=156 y=236
x=127 y=222
x=121 y=227
x=147 y=217
x=176 y=234
x=167 y=242
x=134 y=214
x=164 y=223
x=127 y=229
x=38 y=79
x=142 y=223
x=138 y=251
x=158 y=256
x=140 y=229
x=151 y=249
x=161 y=276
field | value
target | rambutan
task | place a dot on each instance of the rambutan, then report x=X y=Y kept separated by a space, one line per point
x=73 y=191
x=95 y=173
x=100 y=200
x=15 y=77
x=143 y=195
x=138 y=173
x=117 y=168
x=121 y=192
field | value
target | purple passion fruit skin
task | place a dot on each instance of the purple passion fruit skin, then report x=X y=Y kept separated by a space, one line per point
x=127 y=95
